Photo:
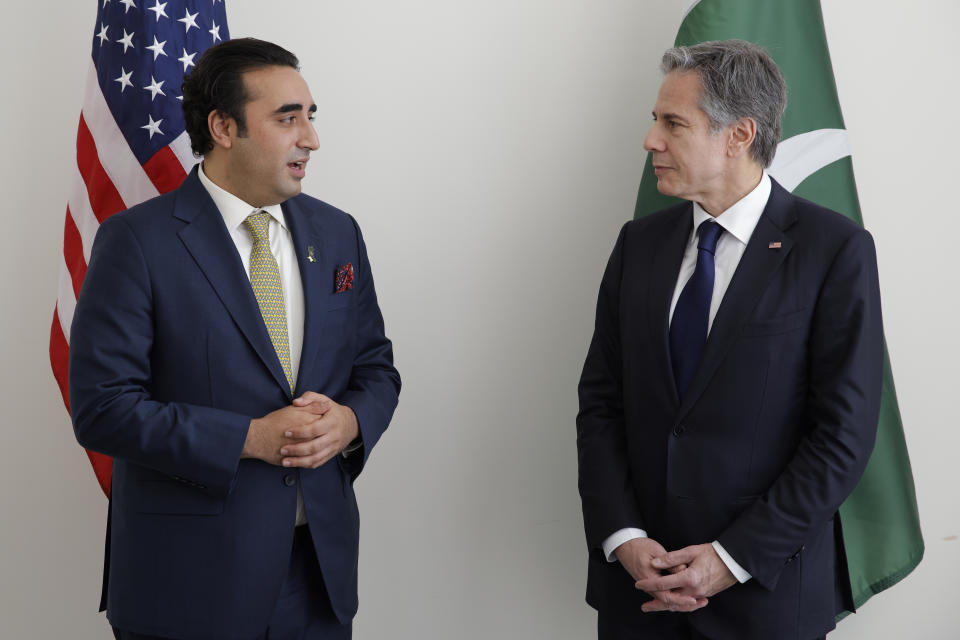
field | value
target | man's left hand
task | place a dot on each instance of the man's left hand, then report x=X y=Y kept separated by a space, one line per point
x=315 y=444
x=704 y=576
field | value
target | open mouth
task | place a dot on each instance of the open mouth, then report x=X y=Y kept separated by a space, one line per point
x=299 y=168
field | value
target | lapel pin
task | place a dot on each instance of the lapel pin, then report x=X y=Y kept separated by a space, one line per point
x=310 y=255
x=774 y=245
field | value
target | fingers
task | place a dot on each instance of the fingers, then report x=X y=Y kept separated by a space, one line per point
x=306 y=434
x=309 y=397
x=690 y=579
x=658 y=604
x=674 y=558
x=679 y=580
x=310 y=462
x=315 y=443
x=315 y=402
x=336 y=420
x=308 y=447
x=317 y=455
x=315 y=428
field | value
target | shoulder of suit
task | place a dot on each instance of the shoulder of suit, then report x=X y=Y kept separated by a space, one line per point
x=316 y=206
x=814 y=215
x=327 y=212
x=151 y=212
x=147 y=213
x=669 y=216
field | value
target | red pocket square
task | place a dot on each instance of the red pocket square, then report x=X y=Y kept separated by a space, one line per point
x=344 y=278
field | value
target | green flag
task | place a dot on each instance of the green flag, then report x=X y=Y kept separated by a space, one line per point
x=881 y=526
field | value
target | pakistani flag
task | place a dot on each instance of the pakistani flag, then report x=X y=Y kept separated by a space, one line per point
x=881 y=526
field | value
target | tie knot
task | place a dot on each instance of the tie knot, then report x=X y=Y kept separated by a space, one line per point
x=709 y=232
x=258 y=223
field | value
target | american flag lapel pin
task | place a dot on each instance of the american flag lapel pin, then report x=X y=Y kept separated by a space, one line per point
x=774 y=245
x=311 y=257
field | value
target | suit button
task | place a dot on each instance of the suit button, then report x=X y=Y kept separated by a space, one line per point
x=679 y=430
x=289 y=480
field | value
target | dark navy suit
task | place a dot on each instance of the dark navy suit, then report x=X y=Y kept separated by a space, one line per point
x=771 y=436
x=169 y=361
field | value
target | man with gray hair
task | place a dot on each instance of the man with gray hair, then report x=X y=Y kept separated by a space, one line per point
x=730 y=395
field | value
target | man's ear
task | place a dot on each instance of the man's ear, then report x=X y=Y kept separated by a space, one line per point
x=222 y=127
x=742 y=134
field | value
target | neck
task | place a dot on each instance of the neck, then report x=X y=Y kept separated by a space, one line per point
x=734 y=187
x=218 y=171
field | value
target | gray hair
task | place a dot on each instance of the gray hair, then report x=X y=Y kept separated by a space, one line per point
x=739 y=80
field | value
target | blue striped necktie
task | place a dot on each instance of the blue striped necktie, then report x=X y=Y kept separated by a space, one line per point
x=688 y=329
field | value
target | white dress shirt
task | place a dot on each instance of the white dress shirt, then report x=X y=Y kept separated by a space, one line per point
x=234 y=212
x=738 y=223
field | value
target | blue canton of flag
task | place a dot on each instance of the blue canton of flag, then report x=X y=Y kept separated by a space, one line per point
x=141 y=53
x=131 y=139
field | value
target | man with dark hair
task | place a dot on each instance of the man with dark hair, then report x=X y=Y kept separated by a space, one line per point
x=229 y=353
x=218 y=85
x=730 y=395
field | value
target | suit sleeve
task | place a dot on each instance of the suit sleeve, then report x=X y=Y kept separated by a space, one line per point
x=374 y=387
x=605 y=485
x=112 y=337
x=845 y=355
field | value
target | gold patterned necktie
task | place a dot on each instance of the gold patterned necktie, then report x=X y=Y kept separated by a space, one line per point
x=265 y=280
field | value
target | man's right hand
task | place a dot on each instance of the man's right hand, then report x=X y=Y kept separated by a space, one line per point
x=265 y=435
x=637 y=556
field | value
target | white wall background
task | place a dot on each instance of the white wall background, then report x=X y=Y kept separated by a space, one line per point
x=490 y=150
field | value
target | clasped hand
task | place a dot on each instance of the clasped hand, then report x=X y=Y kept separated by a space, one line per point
x=305 y=434
x=693 y=574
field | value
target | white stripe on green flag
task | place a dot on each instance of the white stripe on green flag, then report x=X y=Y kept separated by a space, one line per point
x=881 y=525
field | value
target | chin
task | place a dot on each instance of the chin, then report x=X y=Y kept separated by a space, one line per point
x=292 y=190
x=664 y=189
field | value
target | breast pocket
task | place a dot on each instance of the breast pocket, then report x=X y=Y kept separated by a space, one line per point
x=777 y=324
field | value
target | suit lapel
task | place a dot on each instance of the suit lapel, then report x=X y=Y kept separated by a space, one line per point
x=314 y=254
x=757 y=266
x=209 y=243
x=667 y=257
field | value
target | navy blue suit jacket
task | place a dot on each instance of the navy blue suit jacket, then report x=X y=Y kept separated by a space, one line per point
x=773 y=434
x=169 y=361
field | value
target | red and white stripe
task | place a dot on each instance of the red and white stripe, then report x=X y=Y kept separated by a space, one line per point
x=107 y=179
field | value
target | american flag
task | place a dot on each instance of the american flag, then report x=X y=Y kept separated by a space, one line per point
x=131 y=143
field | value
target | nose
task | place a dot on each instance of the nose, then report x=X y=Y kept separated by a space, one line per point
x=653 y=141
x=308 y=136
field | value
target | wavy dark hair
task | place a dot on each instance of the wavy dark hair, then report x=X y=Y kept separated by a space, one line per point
x=216 y=84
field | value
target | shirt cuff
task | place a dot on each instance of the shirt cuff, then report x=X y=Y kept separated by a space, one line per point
x=618 y=538
x=738 y=572
x=353 y=446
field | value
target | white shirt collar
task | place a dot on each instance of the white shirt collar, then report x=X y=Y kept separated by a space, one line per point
x=741 y=218
x=233 y=209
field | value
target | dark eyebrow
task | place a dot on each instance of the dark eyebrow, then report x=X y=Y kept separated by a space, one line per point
x=669 y=116
x=295 y=106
